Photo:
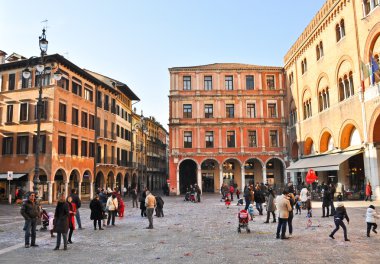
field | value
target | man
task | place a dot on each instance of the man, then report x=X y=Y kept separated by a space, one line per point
x=283 y=206
x=232 y=190
x=326 y=201
x=124 y=191
x=150 y=204
x=259 y=199
x=78 y=203
x=199 y=192
x=134 y=197
x=30 y=212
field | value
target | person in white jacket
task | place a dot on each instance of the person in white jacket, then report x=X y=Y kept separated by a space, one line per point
x=303 y=196
x=371 y=219
x=112 y=206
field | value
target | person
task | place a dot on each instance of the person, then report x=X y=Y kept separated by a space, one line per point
x=292 y=202
x=308 y=206
x=72 y=212
x=326 y=201
x=199 y=192
x=112 y=205
x=30 y=212
x=142 y=202
x=124 y=191
x=303 y=197
x=298 y=204
x=368 y=192
x=284 y=208
x=96 y=212
x=232 y=190
x=159 y=207
x=259 y=199
x=340 y=215
x=251 y=211
x=150 y=204
x=134 y=197
x=238 y=193
x=371 y=216
x=227 y=200
x=61 y=217
x=271 y=207
x=332 y=195
x=78 y=203
x=246 y=197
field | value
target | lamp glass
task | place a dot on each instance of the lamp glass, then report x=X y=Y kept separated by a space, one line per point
x=48 y=69
x=43 y=44
x=26 y=73
x=57 y=75
x=40 y=67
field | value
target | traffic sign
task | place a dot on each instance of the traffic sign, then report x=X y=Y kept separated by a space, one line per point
x=10 y=175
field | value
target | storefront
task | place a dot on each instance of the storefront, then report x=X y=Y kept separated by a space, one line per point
x=19 y=180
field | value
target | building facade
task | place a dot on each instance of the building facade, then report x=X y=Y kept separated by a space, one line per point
x=334 y=103
x=227 y=124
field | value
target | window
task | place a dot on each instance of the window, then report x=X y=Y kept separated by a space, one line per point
x=74 y=146
x=83 y=148
x=105 y=157
x=7 y=145
x=187 y=109
x=112 y=130
x=9 y=113
x=91 y=123
x=319 y=50
x=99 y=99
x=369 y=5
x=106 y=102
x=91 y=149
x=118 y=110
x=76 y=87
x=209 y=111
x=75 y=117
x=26 y=83
x=307 y=109
x=251 y=110
x=62 y=112
x=105 y=128
x=304 y=66
x=273 y=138
x=22 y=145
x=346 y=87
x=272 y=110
x=117 y=130
x=42 y=79
x=43 y=110
x=209 y=139
x=252 y=139
x=291 y=78
x=208 y=83
x=187 y=82
x=230 y=110
x=293 y=117
x=88 y=94
x=42 y=143
x=24 y=111
x=11 y=82
x=324 y=99
x=112 y=155
x=229 y=82
x=250 y=82
x=187 y=139
x=62 y=145
x=340 y=30
x=84 y=119
x=230 y=139
x=113 y=106
x=270 y=82
x=99 y=154
x=64 y=82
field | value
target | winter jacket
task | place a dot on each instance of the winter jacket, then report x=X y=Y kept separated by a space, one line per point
x=259 y=197
x=271 y=207
x=150 y=201
x=371 y=216
x=303 y=194
x=72 y=212
x=30 y=210
x=326 y=198
x=112 y=204
x=341 y=213
x=96 y=210
x=76 y=200
x=61 y=217
x=368 y=190
x=283 y=206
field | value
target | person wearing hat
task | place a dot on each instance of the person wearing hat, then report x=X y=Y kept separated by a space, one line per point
x=339 y=216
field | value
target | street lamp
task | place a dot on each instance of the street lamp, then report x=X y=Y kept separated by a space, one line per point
x=42 y=69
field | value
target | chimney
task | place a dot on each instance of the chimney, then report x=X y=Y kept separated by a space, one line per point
x=2 y=57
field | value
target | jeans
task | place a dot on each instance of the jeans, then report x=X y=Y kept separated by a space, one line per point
x=259 y=207
x=368 y=197
x=339 y=223
x=111 y=214
x=64 y=235
x=232 y=196
x=149 y=213
x=30 y=231
x=77 y=216
x=369 y=226
x=281 y=227
x=290 y=222
x=134 y=202
x=247 y=203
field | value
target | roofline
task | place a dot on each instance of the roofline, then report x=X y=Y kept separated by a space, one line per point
x=213 y=67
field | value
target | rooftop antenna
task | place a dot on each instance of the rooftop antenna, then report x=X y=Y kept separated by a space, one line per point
x=46 y=23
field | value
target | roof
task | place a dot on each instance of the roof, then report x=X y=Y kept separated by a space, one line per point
x=15 y=57
x=122 y=87
x=226 y=66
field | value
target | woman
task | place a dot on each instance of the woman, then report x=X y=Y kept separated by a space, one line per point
x=142 y=203
x=290 y=218
x=96 y=212
x=112 y=206
x=303 y=196
x=368 y=192
x=61 y=218
x=72 y=212
x=271 y=207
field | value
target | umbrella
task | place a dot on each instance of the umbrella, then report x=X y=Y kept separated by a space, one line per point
x=311 y=176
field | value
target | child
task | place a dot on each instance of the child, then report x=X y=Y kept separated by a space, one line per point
x=251 y=211
x=298 y=204
x=371 y=219
x=51 y=223
x=227 y=200
x=339 y=216
x=308 y=206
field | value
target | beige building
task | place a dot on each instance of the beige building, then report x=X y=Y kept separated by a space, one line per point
x=334 y=105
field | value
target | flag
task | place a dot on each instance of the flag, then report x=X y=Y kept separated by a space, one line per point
x=364 y=73
x=374 y=69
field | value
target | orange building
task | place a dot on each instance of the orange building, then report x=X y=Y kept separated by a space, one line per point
x=227 y=125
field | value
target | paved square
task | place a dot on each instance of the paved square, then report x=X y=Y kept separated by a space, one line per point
x=195 y=233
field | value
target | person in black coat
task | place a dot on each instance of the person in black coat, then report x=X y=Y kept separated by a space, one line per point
x=96 y=212
x=326 y=201
x=340 y=215
x=159 y=207
x=61 y=219
x=142 y=202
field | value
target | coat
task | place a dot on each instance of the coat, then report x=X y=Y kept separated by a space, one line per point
x=303 y=194
x=271 y=207
x=283 y=206
x=112 y=204
x=72 y=212
x=61 y=217
x=30 y=210
x=259 y=196
x=96 y=210
x=371 y=216
x=341 y=213
x=368 y=190
x=150 y=201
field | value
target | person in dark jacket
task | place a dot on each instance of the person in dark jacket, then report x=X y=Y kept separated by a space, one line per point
x=61 y=218
x=96 y=212
x=30 y=212
x=332 y=195
x=159 y=207
x=259 y=199
x=326 y=201
x=199 y=192
x=271 y=207
x=340 y=215
x=78 y=203
x=142 y=202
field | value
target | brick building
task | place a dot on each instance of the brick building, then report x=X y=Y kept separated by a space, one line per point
x=227 y=124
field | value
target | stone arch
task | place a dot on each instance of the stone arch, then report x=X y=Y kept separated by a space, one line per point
x=127 y=181
x=119 y=180
x=346 y=131
x=324 y=138
x=42 y=170
x=308 y=146
x=294 y=150
x=306 y=93
x=208 y=158
x=322 y=82
x=277 y=158
x=60 y=178
x=253 y=171
x=196 y=162
x=255 y=158
x=210 y=174
x=87 y=180
x=344 y=65
x=99 y=180
x=371 y=40
x=110 y=181
x=232 y=158
x=188 y=171
x=374 y=126
x=88 y=174
x=275 y=168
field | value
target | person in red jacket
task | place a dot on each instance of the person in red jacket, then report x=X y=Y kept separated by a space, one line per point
x=368 y=192
x=232 y=190
x=72 y=212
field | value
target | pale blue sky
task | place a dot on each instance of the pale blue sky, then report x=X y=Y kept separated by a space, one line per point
x=137 y=41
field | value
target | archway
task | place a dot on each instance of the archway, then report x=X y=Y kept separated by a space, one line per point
x=187 y=174
x=74 y=180
x=126 y=181
x=118 y=182
x=43 y=190
x=110 y=180
x=294 y=152
x=86 y=185
x=59 y=183
x=350 y=136
x=308 y=147
x=326 y=143
x=99 y=180
x=376 y=131
x=275 y=173
x=209 y=170
x=253 y=169
x=232 y=172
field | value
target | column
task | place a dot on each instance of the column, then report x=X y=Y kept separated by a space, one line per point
x=50 y=192
x=242 y=178
x=92 y=190
x=80 y=190
x=220 y=176
x=66 y=189
x=285 y=176
x=265 y=175
x=371 y=167
x=199 y=177
x=178 y=191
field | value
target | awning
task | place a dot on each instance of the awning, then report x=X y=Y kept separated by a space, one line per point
x=328 y=162
x=4 y=176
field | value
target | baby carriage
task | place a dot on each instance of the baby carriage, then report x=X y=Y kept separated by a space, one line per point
x=192 y=197
x=44 y=220
x=243 y=221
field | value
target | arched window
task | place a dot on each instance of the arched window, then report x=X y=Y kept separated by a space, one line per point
x=305 y=65
x=346 y=86
x=369 y=5
x=302 y=68
x=340 y=30
x=318 y=52
x=324 y=99
x=307 y=109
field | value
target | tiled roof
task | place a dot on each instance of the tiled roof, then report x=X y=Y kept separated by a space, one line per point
x=225 y=66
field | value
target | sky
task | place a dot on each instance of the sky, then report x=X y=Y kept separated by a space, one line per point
x=135 y=42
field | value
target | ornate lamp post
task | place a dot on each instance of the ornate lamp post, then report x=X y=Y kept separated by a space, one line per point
x=42 y=70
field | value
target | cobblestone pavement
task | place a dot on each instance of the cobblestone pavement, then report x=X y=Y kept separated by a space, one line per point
x=195 y=233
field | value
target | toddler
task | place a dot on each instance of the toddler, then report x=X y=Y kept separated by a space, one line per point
x=251 y=211
x=298 y=204
x=371 y=219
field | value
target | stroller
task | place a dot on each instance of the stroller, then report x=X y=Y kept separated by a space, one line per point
x=44 y=220
x=243 y=221
x=192 y=197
